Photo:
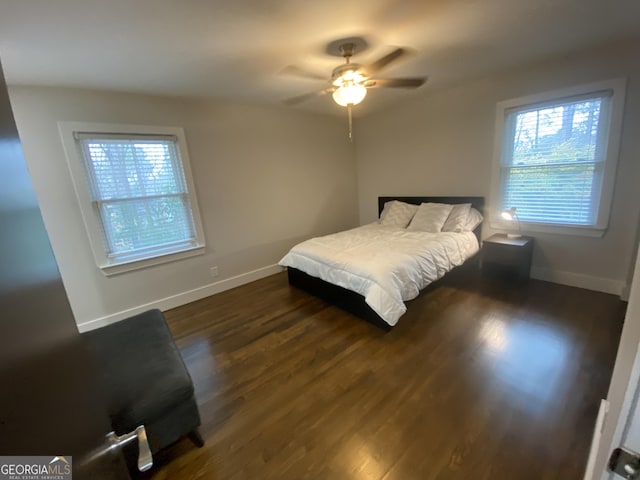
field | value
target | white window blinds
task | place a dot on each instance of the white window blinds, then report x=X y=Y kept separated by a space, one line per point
x=139 y=194
x=553 y=159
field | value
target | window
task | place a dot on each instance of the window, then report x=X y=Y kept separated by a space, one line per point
x=135 y=193
x=557 y=156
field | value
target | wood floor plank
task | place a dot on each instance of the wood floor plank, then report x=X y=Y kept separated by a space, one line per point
x=478 y=381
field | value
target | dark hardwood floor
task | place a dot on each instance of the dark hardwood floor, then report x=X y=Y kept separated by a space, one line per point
x=477 y=381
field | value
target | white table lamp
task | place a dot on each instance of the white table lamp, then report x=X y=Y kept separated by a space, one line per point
x=510 y=214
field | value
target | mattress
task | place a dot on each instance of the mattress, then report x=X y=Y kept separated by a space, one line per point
x=386 y=265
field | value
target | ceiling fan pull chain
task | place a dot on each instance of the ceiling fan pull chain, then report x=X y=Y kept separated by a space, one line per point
x=349 y=107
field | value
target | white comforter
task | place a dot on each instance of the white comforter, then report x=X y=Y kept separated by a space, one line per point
x=386 y=265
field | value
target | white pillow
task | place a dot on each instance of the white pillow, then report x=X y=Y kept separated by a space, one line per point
x=457 y=219
x=475 y=219
x=430 y=217
x=397 y=214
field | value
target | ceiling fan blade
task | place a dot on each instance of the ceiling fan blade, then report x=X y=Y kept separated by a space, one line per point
x=307 y=96
x=381 y=63
x=395 y=82
x=299 y=72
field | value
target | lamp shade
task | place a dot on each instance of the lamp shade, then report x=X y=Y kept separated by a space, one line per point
x=509 y=214
x=349 y=94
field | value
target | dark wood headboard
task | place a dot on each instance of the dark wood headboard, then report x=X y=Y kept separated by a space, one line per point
x=476 y=202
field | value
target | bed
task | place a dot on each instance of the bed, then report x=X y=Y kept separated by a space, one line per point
x=372 y=270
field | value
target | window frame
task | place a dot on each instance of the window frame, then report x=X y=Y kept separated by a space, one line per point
x=92 y=222
x=613 y=134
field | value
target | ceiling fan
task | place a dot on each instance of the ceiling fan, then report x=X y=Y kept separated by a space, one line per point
x=350 y=81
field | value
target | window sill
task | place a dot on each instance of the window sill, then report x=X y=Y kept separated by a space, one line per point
x=117 y=268
x=580 y=231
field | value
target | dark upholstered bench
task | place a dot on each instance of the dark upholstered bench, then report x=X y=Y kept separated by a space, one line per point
x=145 y=380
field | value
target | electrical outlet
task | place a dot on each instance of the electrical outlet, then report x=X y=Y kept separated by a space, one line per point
x=213 y=271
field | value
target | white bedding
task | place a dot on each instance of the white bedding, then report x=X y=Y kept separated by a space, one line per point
x=386 y=265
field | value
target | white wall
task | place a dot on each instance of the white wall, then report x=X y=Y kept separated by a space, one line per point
x=441 y=143
x=265 y=179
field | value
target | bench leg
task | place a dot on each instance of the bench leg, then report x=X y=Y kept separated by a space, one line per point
x=196 y=438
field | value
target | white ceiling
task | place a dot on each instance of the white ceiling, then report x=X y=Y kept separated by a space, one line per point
x=236 y=49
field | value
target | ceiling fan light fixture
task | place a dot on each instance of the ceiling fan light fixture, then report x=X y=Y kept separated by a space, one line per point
x=349 y=94
x=348 y=76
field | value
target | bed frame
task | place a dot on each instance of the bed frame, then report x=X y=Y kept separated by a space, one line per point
x=354 y=302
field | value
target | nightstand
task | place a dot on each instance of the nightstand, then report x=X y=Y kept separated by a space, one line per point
x=506 y=257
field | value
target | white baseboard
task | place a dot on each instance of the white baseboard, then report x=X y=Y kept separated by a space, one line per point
x=184 y=297
x=599 y=284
